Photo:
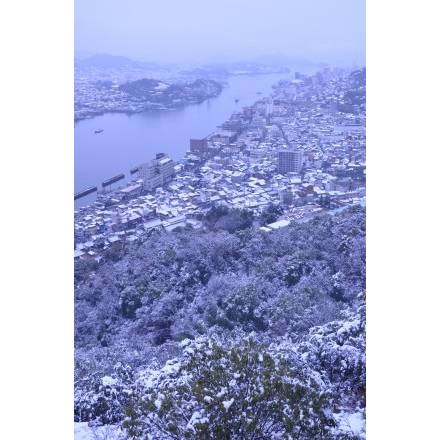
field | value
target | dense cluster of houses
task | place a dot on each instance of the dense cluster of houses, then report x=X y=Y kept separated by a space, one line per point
x=240 y=166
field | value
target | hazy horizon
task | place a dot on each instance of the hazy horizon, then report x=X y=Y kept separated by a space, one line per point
x=195 y=31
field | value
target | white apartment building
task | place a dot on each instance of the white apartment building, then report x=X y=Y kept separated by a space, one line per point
x=157 y=171
x=289 y=160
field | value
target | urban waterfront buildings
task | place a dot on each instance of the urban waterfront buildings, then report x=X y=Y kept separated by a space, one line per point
x=307 y=154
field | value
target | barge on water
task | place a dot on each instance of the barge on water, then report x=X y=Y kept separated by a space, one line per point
x=86 y=192
x=135 y=169
x=113 y=180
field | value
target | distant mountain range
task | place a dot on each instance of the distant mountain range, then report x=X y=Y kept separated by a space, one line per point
x=107 y=61
x=282 y=60
x=273 y=60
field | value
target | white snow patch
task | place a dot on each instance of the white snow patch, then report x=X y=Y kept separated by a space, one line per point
x=107 y=381
x=161 y=86
x=158 y=401
x=354 y=423
x=222 y=392
x=171 y=367
x=228 y=403
x=196 y=418
x=82 y=431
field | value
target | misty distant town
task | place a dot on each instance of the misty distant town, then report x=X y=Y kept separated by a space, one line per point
x=302 y=148
x=106 y=83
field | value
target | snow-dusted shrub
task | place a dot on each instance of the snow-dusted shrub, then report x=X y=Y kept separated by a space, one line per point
x=101 y=400
x=237 y=390
x=338 y=350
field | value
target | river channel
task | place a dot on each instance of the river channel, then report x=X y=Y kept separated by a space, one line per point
x=129 y=140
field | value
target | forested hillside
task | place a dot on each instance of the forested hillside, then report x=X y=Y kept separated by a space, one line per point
x=226 y=332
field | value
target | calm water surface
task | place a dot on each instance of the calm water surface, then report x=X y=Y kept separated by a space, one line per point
x=129 y=140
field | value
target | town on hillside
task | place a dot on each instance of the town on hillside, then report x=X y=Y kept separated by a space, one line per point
x=302 y=148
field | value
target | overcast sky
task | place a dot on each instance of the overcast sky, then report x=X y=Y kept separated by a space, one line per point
x=225 y=30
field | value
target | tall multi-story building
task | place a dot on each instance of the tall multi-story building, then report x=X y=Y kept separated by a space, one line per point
x=232 y=124
x=247 y=113
x=333 y=107
x=225 y=137
x=269 y=108
x=258 y=122
x=199 y=147
x=289 y=160
x=165 y=165
x=157 y=171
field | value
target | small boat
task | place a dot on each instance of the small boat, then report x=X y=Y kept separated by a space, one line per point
x=99 y=131
x=237 y=99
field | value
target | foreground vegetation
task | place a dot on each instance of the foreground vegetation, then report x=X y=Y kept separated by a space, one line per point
x=225 y=332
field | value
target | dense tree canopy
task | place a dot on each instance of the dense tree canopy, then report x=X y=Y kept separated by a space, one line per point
x=299 y=291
